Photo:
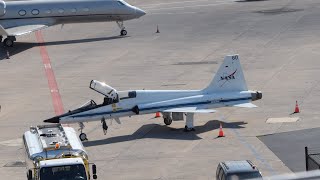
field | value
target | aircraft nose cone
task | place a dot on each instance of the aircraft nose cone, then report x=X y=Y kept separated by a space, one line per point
x=52 y=120
x=139 y=12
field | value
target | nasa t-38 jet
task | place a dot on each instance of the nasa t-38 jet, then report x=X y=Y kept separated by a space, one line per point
x=228 y=88
x=22 y=17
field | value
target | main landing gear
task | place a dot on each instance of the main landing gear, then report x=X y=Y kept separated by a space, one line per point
x=9 y=41
x=104 y=125
x=123 y=32
x=189 y=122
x=167 y=119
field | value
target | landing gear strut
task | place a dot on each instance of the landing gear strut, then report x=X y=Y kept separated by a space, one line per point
x=189 y=123
x=104 y=125
x=82 y=136
x=123 y=32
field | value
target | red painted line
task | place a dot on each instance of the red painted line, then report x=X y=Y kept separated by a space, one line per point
x=52 y=83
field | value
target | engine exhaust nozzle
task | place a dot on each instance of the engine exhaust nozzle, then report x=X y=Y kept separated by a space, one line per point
x=256 y=95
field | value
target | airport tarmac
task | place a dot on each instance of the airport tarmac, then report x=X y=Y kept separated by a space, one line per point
x=294 y=151
x=277 y=40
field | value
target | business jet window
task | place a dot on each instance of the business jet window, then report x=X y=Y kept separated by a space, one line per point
x=35 y=12
x=74 y=10
x=22 y=12
x=86 y=9
x=61 y=11
x=121 y=3
x=48 y=11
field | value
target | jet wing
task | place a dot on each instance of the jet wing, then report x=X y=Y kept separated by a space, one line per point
x=245 y=105
x=194 y=109
x=20 y=30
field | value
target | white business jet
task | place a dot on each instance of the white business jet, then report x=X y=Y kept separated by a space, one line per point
x=23 y=17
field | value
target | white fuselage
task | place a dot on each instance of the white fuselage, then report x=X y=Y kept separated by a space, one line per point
x=51 y=12
x=228 y=88
x=149 y=101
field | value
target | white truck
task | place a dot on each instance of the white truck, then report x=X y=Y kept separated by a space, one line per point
x=54 y=152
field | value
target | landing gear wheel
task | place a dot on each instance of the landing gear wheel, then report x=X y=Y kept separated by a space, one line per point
x=8 y=42
x=167 y=121
x=187 y=129
x=83 y=136
x=123 y=32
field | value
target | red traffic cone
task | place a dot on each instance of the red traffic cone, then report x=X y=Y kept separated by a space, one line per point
x=297 y=110
x=221 y=134
x=157 y=115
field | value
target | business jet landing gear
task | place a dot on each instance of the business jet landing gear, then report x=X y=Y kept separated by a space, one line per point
x=167 y=119
x=9 y=41
x=123 y=32
x=104 y=125
x=189 y=122
x=82 y=136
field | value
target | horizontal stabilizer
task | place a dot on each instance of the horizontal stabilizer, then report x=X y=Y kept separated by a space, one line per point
x=246 y=105
x=190 y=110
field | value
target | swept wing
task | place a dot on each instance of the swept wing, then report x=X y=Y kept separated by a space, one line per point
x=193 y=109
x=20 y=30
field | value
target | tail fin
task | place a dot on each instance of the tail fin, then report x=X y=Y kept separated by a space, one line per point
x=229 y=77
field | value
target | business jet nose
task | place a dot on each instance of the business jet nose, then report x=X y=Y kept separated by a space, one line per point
x=139 y=12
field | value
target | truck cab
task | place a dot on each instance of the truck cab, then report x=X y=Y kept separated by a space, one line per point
x=68 y=168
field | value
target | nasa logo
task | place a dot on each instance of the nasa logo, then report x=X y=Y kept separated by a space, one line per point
x=228 y=77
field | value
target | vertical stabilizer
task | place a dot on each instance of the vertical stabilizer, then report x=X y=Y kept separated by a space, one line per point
x=229 y=77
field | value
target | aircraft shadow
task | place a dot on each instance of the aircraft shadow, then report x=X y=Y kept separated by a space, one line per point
x=23 y=46
x=250 y=0
x=157 y=131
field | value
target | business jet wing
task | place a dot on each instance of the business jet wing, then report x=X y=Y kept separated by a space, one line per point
x=189 y=109
x=20 y=30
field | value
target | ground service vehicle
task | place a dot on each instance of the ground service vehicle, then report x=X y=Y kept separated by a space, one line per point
x=54 y=152
x=235 y=170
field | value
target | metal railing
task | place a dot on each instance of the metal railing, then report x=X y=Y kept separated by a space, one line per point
x=312 y=156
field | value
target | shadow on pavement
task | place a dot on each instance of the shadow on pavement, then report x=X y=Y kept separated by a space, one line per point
x=23 y=46
x=157 y=131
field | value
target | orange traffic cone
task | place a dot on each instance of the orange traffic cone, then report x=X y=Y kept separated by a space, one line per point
x=221 y=134
x=297 y=110
x=157 y=115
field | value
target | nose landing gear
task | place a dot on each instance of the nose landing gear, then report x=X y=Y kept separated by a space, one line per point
x=82 y=136
x=123 y=32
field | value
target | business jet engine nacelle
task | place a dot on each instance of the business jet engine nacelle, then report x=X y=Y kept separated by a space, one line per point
x=2 y=8
x=104 y=89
